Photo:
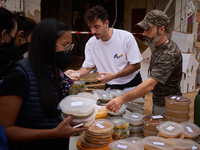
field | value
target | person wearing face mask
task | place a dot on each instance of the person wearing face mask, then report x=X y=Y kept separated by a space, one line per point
x=25 y=26
x=9 y=53
x=165 y=68
x=28 y=110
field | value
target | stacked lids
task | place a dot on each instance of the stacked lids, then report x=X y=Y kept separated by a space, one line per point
x=170 y=129
x=177 y=108
x=103 y=96
x=116 y=92
x=121 y=127
x=119 y=113
x=123 y=145
x=158 y=143
x=81 y=108
x=98 y=134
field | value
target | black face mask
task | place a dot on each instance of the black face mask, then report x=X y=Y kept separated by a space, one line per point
x=24 y=47
x=63 y=60
x=7 y=45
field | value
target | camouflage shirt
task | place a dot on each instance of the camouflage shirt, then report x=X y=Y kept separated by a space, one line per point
x=166 y=68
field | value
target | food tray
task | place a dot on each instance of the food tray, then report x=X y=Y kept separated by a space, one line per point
x=170 y=129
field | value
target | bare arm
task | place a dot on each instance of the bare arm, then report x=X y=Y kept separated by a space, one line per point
x=9 y=109
x=142 y=89
x=126 y=71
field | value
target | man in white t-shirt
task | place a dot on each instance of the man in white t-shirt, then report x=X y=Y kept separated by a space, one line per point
x=114 y=52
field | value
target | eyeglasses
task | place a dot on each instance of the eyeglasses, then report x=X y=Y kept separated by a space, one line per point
x=67 y=47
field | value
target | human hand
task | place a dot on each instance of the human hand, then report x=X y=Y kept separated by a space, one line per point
x=65 y=130
x=105 y=76
x=72 y=74
x=114 y=105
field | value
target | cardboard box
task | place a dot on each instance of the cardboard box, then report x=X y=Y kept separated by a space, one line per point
x=144 y=49
x=183 y=40
x=190 y=64
x=144 y=69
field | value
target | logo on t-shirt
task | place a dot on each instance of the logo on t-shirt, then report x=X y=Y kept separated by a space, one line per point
x=118 y=56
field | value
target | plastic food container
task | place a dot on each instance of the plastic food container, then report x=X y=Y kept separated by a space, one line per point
x=158 y=143
x=116 y=92
x=139 y=101
x=151 y=121
x=77 y=87
x=101 y=126
x=133 y=139
x=179 y=114
x=137 y=135
x=87 y=94
x=99 y=135
x=191 y=131
x=77 y=106
x=123 y=145
x=103 y=96
x=80 y=147
x=170 y=129
x=179 y=120
x=97 y=139
x=120 y=123
x=196 y=146
x=149 y=133
x=182 y=144
x=121 y=134
x=177 y=102
x=101 y=113
x=73 y=91
x=75 y=74
x=135 y=118
x=119 y=113
x=136 y=130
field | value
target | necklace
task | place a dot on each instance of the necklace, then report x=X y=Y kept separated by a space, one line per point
x=160 y=44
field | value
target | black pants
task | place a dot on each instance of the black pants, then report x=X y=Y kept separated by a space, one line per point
x=134 y=82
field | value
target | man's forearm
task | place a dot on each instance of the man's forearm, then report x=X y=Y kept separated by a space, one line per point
x=84 y=71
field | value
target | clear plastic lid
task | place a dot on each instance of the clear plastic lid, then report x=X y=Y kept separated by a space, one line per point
x=101 y=126
x=116 y=92
x=78 y=84
x=135 y=118
x=182 y=143
x=77 y=105
x=155 y=142
x=87 y=94
x=103 y=95
x=99 y=135
x=177 y=99
x=140 y=100
x=190 y=129
x=121 y=111
x=123 y=145
x=133 y=139
x=155 y=119
x=118 y=121
x=170 y=128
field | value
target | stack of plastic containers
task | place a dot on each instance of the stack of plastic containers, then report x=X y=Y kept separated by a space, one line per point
x=119 y=113
x=136 y=123
x=182 y=144
x=191 y=131
x=158 y=143
x=103 y=97
x=123 y=145
x=81 y=108
x=121 y=127
x=150 y=122
x=116 y=92
x=170 y=129
x=98 y=135
x=177 y=108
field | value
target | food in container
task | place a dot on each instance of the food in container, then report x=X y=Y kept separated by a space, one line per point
x=149 y=133
x=135 y=118
x=101 y=113
x=123 y=145
x=120 y=123
x=77 y=87
x=179 y=120
x=179 y=114
x=137 y=135
x=96 y=140
x=116 y=92
x=177 y=102
x=158 y=143
x=196 y=146
x=182 y=144
x=170 y=129
x=77 y=106
x=107 y=135
x=191 y=131
x=136 y=130
x=101 y=126
x=151 y=121
x=119 y=113
x=75 y=74
x=121 y=134
x=103 y=96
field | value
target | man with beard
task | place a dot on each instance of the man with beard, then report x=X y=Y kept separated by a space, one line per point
x=165 y=68
x=114 y=52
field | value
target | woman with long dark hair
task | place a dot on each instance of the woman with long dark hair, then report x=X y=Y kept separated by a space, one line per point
x=28 y=106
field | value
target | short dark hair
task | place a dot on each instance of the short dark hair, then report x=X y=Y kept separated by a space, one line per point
x=41 y=55
x=7 y=20
x=25 y=24
x=96 y=12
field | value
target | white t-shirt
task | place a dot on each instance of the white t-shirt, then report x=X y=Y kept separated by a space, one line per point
x=113 y=55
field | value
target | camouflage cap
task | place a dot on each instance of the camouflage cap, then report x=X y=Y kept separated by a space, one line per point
x=154 y=17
